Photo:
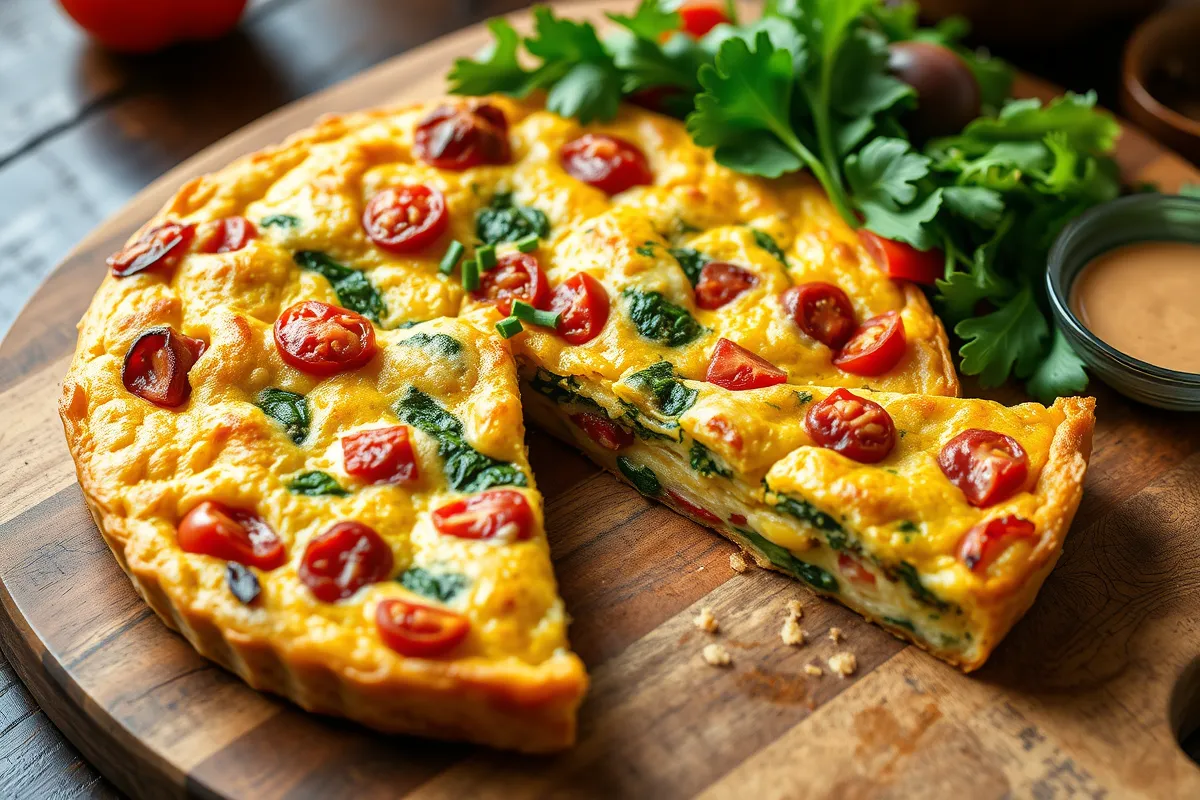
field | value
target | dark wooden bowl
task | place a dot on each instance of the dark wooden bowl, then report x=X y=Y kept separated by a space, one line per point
x=1165 y=45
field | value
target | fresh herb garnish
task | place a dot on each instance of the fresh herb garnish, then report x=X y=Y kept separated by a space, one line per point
x=280 y=221
x=506 y=221
x=353 y=289
x=659 y=319
x=454 y=253
x=289 y=409
x=669 y=395
x=642 y=477
x=440 y=586
x=509 y=327
x=315 y=484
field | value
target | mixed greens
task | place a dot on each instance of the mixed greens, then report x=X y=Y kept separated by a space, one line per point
x=853 y=91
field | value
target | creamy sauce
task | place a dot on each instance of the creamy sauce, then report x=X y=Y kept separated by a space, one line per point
x=1144 y=300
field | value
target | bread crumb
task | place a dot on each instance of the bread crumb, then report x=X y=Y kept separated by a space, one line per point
x=705 y=620
x=791 y=632
x=700 y=568
x=843 y=664
x=737 y=562
x=795 y=609
x=716 y=655
x=814 y=670
x=835 y=635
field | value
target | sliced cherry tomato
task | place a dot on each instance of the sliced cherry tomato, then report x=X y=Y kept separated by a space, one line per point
x=380 y=455
x=419 y=631
x=903 y=261
x=877 y=346
x=603 y=431
x=460 y=137
x=737 y=519
x=854 y=570
x=984 y=543
x=608 y=163
x=583 y=304
x=854 y=426
x=404 y=219
x=157 y=364
x=823 y=311
x=988 y=467
x=321 y=339
x=230 y=534
x=516 y=276
x=693 y=510
x=496 y=514
x=158 y=247
x=344 y=559
x=721 y=283
x=225 y=235
x=725 y=429
x=735 y=368
x=698 y=17
x=141 y=26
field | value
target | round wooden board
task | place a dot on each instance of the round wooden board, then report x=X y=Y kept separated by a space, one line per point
x=1078 y=701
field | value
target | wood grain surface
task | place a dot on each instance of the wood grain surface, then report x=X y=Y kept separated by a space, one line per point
x=1080 y=700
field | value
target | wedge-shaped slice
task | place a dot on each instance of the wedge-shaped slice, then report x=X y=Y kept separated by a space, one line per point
x=368 y=543
x=936 y=517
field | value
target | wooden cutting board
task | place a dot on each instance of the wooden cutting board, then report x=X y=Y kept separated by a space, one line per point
x=1085 y=698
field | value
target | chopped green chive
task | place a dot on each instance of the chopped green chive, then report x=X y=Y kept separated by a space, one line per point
x=486 y=256
x=453 y=253
x=509 y=327
x=527 y=244
x=527 y=313
x=470 y=275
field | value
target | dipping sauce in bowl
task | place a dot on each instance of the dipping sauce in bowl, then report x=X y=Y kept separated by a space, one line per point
x=1143 y=299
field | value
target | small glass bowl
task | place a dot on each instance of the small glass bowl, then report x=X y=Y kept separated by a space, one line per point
x=1139 y=218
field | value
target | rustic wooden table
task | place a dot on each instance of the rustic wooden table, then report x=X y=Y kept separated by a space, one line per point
x=82 y=131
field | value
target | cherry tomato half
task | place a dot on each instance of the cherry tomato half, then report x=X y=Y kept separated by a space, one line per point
x=854 y=571
x=988 y=467
x=516 y=276
x=608 y=163
x=496 y=514
x=419 y=631
x=903 y=261
x=693 y=510
x=344 y=559
x=583 y=303
x=877 y=346
x=721 y=283
x=140 y=26
x=698 y=17
x=854 y=426
x=230 y=534
x=162 y=246
x=157 y=364
x=984 y=543
x=404 y=219
x=823 y=311
x=380 y=455
x=603 y=431
x=735 y=368
x=321 y=339
x=460 y=137
x=225 y=235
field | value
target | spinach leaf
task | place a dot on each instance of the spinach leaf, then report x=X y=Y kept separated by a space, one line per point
x=767 y=242
x=703 y=462
x=807 y=512
x=783 y=558
x=280 y=221
x=691 y=261
x=900 y=623
x=908 y=573
x=465 y=468
x=316 y=483
x=658 y=319
x=642 y=477
x=670 y=396
x=440 y=586
x=353 y=289
x=505 y=221
x=561 y=388
x=646 y=249
x=289 y=409
x=439 y=344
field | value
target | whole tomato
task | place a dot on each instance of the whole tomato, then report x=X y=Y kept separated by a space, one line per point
x=142 y=26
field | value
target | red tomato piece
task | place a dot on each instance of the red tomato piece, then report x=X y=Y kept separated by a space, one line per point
x=380 y=455
x=603 y=431
x=721 y=283
x=516 y=276
x=735 y=368
x=583 y=304
x=988 y=467
x=698 y=17
x=877 y=346
x=141 y=26
x=854 y=570
x=496 y=514
x=321 y=339
x=984 y=543
x=157 y=364
x=903 y=261
x=225 y=235
x=608 y=163
x=460 y=137
x=737 y=519
x=725 y=429
x=419 y=631
x=344 y=559
x=230 y=534
x=854 y=426
x=404 y=219
x=693 y=510
x=823 y=311
x=161 y=246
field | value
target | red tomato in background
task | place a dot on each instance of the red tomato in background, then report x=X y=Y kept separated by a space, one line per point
x=698 y=17
x=903 y=261
x=142 y=26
